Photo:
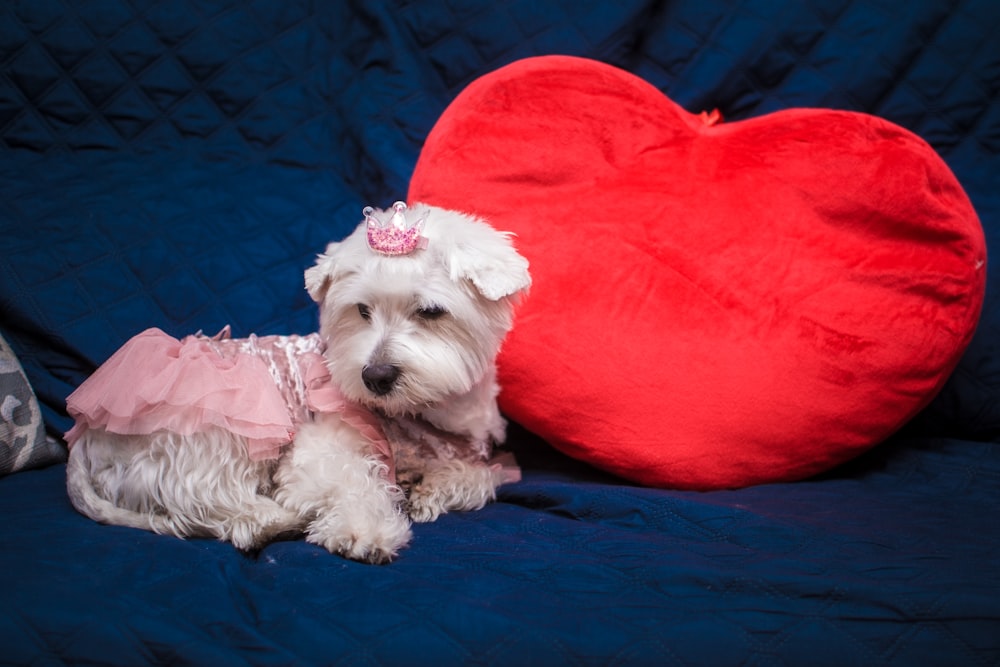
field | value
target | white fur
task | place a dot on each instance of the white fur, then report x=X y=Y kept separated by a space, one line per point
x=439 y=316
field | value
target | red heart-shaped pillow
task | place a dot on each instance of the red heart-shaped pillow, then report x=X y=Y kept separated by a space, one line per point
x=713 y=305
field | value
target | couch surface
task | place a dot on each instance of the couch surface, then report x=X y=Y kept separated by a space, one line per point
x=179 y=164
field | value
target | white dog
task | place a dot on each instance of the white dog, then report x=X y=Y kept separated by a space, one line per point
x=387 y=415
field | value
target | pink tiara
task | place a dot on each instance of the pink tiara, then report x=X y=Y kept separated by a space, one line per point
x=395 y=236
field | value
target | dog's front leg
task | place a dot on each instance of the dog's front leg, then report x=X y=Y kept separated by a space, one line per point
x=333 y=480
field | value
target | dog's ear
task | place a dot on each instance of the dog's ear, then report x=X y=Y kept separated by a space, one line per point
x=320 y=276
x=495 y=268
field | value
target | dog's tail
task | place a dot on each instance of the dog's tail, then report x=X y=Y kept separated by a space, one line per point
x=87 y=501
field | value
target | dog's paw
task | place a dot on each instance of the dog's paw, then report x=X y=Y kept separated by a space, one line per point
x=266 y=521
x=455 y=485
x=424 y=508
x=368 y=537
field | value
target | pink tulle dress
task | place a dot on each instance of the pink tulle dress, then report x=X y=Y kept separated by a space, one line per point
x=261 y=388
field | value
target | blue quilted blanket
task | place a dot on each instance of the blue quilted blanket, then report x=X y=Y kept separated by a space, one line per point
x=178 y=164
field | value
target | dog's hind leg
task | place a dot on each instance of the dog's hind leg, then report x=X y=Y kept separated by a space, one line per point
x=215 y=489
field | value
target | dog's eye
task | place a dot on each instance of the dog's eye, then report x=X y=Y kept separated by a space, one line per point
x=432 y=312
x=365 y=312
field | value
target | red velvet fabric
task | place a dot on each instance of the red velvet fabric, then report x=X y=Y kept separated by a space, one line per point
x=714 y=304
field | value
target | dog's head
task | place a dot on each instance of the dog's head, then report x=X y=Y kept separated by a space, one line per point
x=408 y=331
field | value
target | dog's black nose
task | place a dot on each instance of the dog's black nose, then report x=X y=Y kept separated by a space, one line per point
x=380 y=378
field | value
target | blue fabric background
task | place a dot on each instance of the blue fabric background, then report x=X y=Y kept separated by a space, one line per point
x=178 y=164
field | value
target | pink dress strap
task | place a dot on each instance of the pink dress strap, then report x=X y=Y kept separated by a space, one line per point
x=505 y=468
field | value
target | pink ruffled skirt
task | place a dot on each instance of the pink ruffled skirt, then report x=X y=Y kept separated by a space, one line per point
x=260 y=388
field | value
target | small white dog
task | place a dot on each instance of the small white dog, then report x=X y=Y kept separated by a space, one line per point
x=387 y=415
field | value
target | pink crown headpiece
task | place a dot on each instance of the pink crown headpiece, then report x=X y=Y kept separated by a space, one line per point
x=397 y=235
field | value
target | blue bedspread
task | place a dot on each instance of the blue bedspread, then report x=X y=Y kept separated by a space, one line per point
x=179 y=164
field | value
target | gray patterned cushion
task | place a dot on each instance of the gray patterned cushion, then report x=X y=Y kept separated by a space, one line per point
x=23 y=443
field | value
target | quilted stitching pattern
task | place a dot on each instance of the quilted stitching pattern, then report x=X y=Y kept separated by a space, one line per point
x=116 y=76
x=208 y=149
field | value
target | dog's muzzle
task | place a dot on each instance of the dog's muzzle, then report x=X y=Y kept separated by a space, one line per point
x=380 y=378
